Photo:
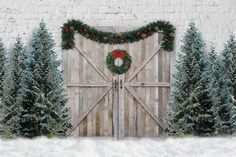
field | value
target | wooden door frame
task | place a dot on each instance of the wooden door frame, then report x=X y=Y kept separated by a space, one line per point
x=118 y=118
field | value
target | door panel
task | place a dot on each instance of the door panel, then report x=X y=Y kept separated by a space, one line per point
x=104 y=104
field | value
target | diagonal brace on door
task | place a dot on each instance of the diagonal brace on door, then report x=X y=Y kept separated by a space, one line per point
x=107 y=89
x=142 y=103
x=146 y=61
x=80 y=50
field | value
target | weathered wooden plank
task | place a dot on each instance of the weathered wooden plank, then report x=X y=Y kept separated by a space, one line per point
x=140 y=116
x=126 y=111
x=166 y=77
x=136 y=107
x=73 y=74
x=79 y=78
x=108 y=121
x=125 y=103
x=106 y=100
x=154 y=99
x=94 y=92
x=148 y=93
x=86 y=76
x=115 y=107
x=126 y=114
x=101 y=62
x=148 y=84
x=111 y=102
x=143 y=91
x=127 y=100
x=121 y=106
x=77 y=90
x=92 y=84
x=94 y=76
x=129 y=114
x=76 y=108
x=160 y=96
x=155 y=92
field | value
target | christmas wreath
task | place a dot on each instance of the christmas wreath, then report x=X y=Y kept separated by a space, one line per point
x=118 y=61
x=77 y=26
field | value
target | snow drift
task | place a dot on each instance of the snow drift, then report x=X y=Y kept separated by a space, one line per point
x=107 y=147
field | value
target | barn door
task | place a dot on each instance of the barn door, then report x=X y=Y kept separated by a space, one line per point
x=105 y=104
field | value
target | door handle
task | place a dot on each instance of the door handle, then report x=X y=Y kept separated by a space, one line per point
x=115 y=84
x=121 y=86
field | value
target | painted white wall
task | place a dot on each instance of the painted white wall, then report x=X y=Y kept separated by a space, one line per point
x=216 y=19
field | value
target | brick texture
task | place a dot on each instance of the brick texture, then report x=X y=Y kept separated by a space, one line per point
x=216 y=19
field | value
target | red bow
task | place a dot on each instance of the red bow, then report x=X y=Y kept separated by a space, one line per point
x=119 y=54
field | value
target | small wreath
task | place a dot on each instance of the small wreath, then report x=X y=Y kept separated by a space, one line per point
x=118 y=61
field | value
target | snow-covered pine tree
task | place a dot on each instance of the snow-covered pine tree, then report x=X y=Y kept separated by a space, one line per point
x=2 y=63
x=43 y=96
x=26 y=98
x=221 y=97
x=10 y=108
x=212 y=57
x=229 y=63
x=190 y=107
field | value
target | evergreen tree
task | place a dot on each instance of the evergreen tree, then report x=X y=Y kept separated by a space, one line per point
x=212 y=57
x=2 y=63
x=190 y=107
x=229 y=68
x=229 y=63
x=221 y=97
x=11 y=85
x=43 y=97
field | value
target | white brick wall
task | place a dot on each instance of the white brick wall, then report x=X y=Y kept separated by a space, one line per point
x=215 y=18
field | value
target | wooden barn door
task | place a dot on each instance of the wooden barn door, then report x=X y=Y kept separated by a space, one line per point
x=105 y=104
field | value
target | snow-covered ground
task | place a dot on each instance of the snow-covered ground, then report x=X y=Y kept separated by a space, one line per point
x=98 y=147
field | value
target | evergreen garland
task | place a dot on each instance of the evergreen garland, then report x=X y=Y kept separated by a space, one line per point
x=76 y=26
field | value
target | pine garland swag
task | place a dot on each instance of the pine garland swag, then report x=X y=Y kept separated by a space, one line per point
x=76 y=26
x=124 y=56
